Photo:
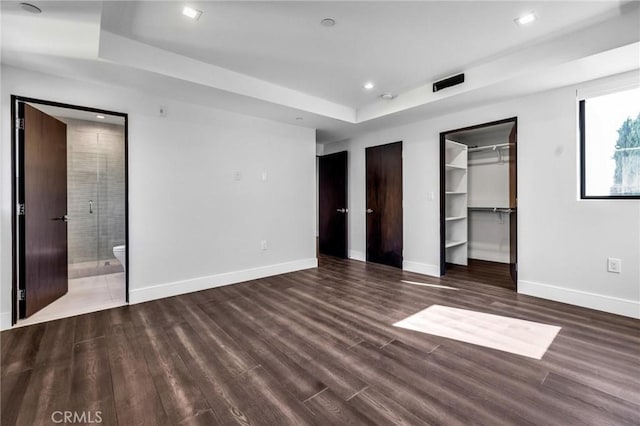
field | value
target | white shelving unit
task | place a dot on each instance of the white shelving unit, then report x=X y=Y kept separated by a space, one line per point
x=456 y=226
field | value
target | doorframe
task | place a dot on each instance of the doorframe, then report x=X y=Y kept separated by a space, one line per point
x=443 y=250
x=17 y=262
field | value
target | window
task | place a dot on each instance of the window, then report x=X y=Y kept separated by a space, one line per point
x=610 y=145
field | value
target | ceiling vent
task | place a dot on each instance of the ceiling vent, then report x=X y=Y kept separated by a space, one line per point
x=448 y=82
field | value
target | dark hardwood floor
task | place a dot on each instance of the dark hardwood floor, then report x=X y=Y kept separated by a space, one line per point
x=482 y=272
x=318 y=347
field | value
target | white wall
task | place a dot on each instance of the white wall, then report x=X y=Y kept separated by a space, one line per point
x=488 y=176
x=563 y=242
x=192 y=224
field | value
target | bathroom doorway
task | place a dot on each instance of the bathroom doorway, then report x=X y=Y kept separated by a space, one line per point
x=70 y=223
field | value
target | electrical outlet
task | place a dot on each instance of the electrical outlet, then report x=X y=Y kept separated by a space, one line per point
x=263 y=245
x=614 y=265
x=162 y=111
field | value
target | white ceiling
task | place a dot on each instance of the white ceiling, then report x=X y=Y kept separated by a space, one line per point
x=398 y=46
x=275 y=60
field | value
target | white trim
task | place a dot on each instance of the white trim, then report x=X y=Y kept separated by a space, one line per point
x=5 y=320
x=600 y=302
x=357 y=255
x=421 y=268
x=175 y=288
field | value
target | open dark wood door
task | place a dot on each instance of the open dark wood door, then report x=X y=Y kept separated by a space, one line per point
x=332 y=177
x=513 y=204
x=384 y=204
x=43 y=191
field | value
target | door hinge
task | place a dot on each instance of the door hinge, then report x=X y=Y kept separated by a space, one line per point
x=19 y=123
x=21 y=209
x=22 y=295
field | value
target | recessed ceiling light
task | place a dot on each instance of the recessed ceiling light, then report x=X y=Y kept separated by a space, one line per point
x=525 y=19
x=28 y=7
x=369 y=85
x=192 y=13
x=101 y=117
x=328 y=22
x=387 y=96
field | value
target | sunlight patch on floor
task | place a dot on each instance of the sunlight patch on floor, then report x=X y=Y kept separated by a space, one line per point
x=527 y=338
x=429 y=285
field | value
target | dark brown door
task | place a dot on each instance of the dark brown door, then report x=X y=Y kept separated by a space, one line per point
x=332 y=193
x=513 y=204
x=44 y=275
x=384 y=204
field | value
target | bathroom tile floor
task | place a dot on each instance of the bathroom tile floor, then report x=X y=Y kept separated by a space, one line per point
x=87 y=294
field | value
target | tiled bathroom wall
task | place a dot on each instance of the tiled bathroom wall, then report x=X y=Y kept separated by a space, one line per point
x=95 y=196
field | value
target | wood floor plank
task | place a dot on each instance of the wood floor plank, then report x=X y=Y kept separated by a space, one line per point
x=443 y=388
x=610 y=409
x=12 y=391
x=91 y=389
x=381 y=409
x=136 y=398
x=223 y=395
x=295 y=378
x=177 y=389
x=295 y=346
x=330 y=409
x=21 y=355
x=59 y=335
x=235 y=359
x=91 y=326
x=271 y=402
x=48 y=392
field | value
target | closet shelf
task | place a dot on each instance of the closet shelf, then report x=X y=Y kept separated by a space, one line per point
x=455 y=218
x=455 y=167
x=454 y=193
x=496 y=148
x=493 y=209
x=490 y=147
x=449 y=244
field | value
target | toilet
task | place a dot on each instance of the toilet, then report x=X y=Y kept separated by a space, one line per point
x=120 y=252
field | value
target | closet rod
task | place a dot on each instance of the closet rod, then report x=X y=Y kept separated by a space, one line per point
x=491 y=147
x=493 y=209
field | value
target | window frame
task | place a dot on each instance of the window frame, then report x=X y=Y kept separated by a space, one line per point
x=583 y=159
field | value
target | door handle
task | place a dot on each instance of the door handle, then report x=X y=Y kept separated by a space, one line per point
x=90 y=206
x=341 y=210
x=64 y=218
x=369 y=211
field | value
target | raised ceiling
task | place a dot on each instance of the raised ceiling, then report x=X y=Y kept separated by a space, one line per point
x=396 y=45
x=275 y=60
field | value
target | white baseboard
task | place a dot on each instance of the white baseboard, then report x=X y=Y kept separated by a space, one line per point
x=614 y=305
x=5 y=320
x=357 y=255
x=421 y=268
x=160 y=291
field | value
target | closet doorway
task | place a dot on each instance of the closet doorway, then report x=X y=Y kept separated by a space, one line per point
x=478 y=203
